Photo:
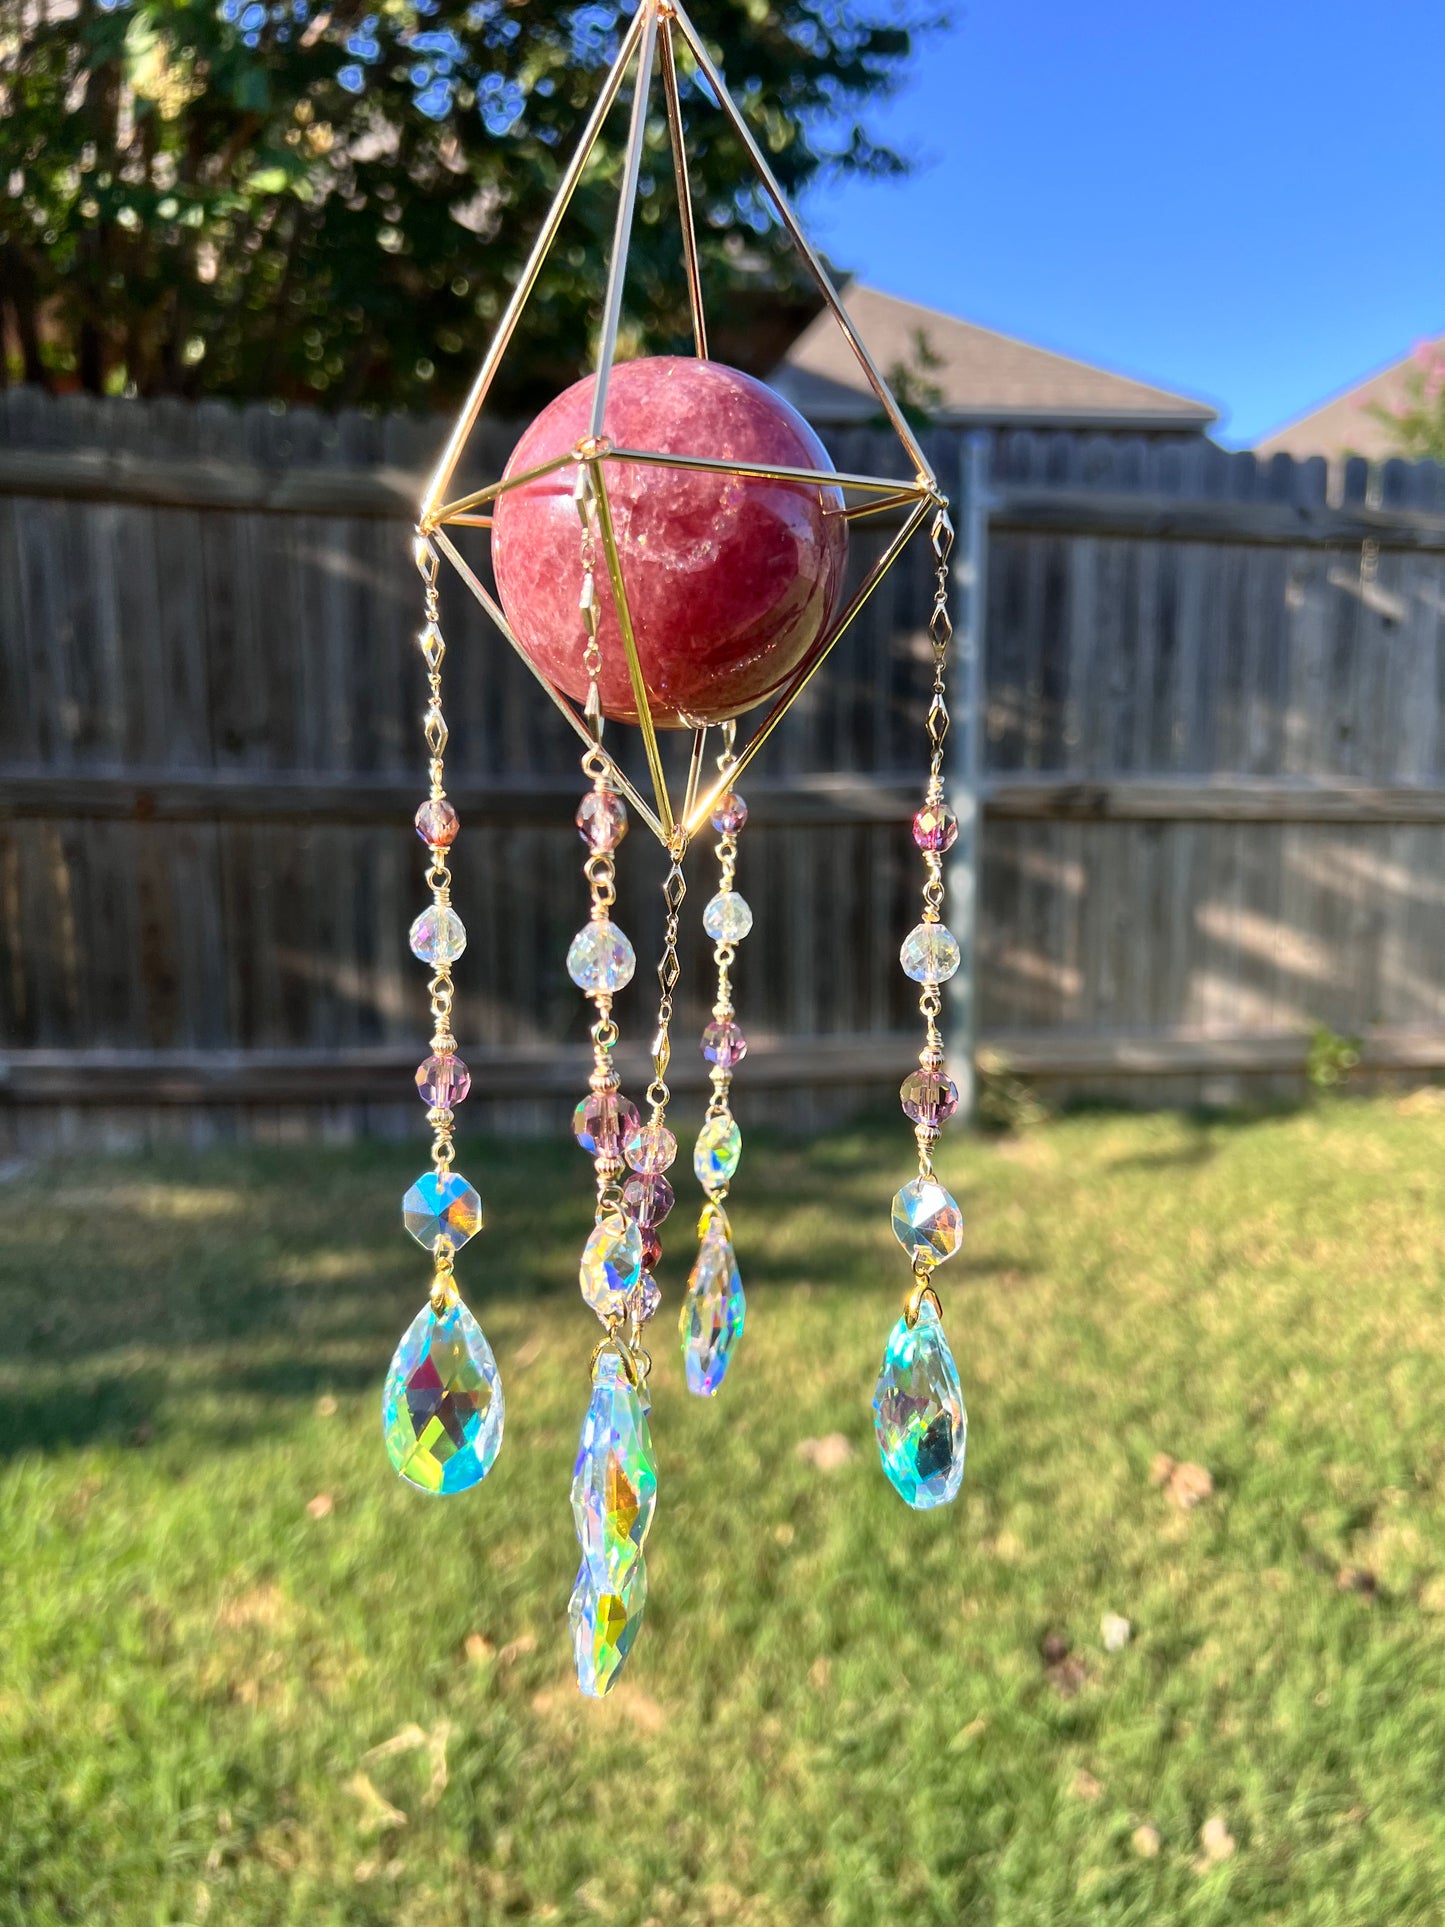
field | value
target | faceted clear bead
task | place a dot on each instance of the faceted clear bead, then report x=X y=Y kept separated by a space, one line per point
x=437 y=823
x=723 y=1044
x=711 y=1320
x=443 y=1081
x=603 y=1122
x=918 y=1413
x=928 y=1097
x=440 y=1205
x=929 y=954
x=604 y=1626
x=729 y=814
x=647 y=1201
x=927 y=1222
x=614 y=1482
x=716 y=1153
x=441 y=1410
x=611 y=1265
x=728 y=917
x=600 y=958
x=935 y=828
x=644 y=1299
x=602 y=819
x=650 y=1149
x=438 y=936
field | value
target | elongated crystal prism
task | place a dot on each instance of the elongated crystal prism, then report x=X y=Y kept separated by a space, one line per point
x=614 y=1482
x=711 y=1320
x=441 y=1410
x=918 y=1414
x=604 y=1625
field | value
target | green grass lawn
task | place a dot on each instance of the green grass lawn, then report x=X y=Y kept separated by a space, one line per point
x=217 y=1600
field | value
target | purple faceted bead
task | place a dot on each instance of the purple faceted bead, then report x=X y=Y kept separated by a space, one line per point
x=602 y=1121
x=724 y=1044
x=437 y=823
x=929 y=1097
x=647 y=1201
x=443 y=1082
x=729 y=814
x=602 y=819
x=935 y=828
x=651 y=1251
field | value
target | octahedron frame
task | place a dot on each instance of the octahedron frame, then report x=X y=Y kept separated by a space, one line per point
x=653 y=32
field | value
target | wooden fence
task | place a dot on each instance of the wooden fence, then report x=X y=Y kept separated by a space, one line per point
x=1209 y=771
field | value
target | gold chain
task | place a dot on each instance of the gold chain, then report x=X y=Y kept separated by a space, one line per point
x=930 y=1001
x=674 y=890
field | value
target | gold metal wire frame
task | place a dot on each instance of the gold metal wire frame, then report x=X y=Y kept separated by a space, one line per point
x=652 y=34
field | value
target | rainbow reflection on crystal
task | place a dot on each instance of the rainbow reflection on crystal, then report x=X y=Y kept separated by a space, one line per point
x=611 y=1265
x=442 y=1205
x=600 y=958
x=918 y=1414
x=711 y=1320
x=717 y=1151
x=441 y=1410
x=614 y=1482
x=604 y=1625
x=927 y=1222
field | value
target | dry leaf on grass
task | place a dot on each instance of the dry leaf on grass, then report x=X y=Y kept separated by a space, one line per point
x=377 y=1815
x=1187 y=1484
x=826 y=1454
x=326 y=1406
x=321 y=1507
x=517 y=1648
x=1145 y=1841
x=1067 y=1674
x=411 y=1739
x=1216 y=1843
x=1084 y=1786
x=478 y=1648
x=1160 y=1469
x=1357 y=1579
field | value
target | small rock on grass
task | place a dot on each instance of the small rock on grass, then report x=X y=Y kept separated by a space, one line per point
x=1216 y=1843
x=1146 y=1842
x=321 y=1507
x=1115 y=1631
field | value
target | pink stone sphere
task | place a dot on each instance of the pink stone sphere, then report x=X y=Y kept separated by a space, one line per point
x=730 y=581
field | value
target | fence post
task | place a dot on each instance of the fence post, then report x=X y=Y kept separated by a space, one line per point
x=966 y=697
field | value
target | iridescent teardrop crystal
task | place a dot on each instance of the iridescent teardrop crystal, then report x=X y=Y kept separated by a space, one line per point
x=614 y=1482
x=601 y=958
x=918 y=1414
x=604 y=1625
x=711 y=1321
x=441 y=1410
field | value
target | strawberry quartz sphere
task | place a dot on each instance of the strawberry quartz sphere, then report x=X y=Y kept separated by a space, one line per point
x=730 y=580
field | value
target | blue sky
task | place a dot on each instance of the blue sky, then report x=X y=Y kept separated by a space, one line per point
x=1244 y=202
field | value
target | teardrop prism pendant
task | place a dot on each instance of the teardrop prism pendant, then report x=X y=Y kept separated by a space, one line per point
x=713 y=1311
x=442 y=1409
x=614 y=1495
x=918 y=1413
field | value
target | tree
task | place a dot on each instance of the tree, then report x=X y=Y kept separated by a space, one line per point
x=294 y=199
x=1416 y=420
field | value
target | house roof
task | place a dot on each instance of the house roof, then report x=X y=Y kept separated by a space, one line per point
x=984 y=377
x=1343 y=425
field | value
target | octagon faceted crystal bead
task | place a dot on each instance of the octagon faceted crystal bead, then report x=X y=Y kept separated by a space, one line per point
x=441 y=1204
x=611 y=1265
x=717 y=1151
x=927 y=1222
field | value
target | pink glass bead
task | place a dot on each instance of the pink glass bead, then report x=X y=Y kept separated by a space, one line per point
x=437 y=823
x=935 y=828
x=650 y=1150
x=443 y=1082
x=729 y=814
x=651 y=1253
x=929 y=1097
x=602 y=1121
x=724 y=1045
x=644 y=1299
x=602 y=819
x=647 y=1201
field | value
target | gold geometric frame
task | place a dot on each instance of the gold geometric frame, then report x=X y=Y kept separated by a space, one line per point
x=653 y=35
